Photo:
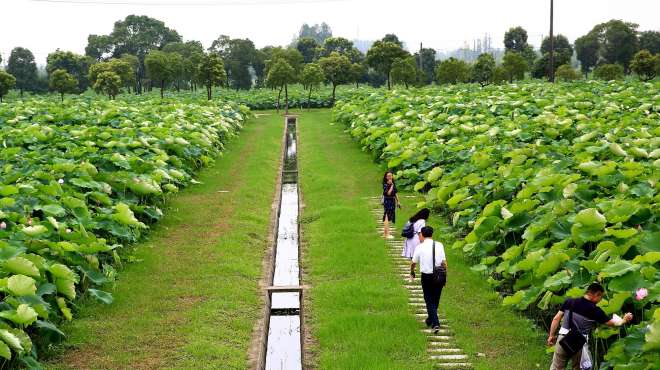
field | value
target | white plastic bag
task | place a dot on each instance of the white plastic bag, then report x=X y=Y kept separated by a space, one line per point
x=585 y=361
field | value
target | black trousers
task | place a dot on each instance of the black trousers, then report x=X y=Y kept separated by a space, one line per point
x=432 y=291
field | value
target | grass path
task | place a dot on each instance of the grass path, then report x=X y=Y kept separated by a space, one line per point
x=193 y=300
x=359 y=313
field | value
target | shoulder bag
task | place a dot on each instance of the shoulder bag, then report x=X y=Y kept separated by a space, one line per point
x=573 y=341
x=439 y=272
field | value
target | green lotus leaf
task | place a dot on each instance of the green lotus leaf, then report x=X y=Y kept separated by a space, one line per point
x=651 y=258
x=124 y=215
x=5 y=351
x=557 y=281
x=61 y=271
x=617 y=269
x=66 y=287
x=21 y=285
x=434 y=174
x=614 y=304
x=21 y=265
x=10 y=339
x=101 y=296
x=35 y=230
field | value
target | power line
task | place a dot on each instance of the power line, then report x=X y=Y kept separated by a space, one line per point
x=207 y=3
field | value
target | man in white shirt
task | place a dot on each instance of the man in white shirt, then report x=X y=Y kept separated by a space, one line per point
x=431 y=286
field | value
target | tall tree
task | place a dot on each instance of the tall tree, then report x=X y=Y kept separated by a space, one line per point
x=390 y=37
x=586 y=49
x=7 y=82
x=452 y=71
x=312 y=76
x=318 y=32
x=514 y=66
x=159 y=68
x=644 y=65
x=240 y=57
x=483 y=69
x=281 y=73
x=563 y=54
x=107 y=82
x=382 y=54
x=428 y=65
x=650 y=40
x=211 y=72
x=309 y=49
x=337 y=70
x=191 y=53
x=121 y=67
x=134 y=35
x=74 y=64
x=515 y=39
x=404 y=70
x=99 y=47
x=617 y=42
x=21 y=65
x=358 y=73
x=132 y=61
x=337 y=44
x=63 y=82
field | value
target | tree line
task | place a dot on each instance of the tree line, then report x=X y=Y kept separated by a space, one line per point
x=141 y=53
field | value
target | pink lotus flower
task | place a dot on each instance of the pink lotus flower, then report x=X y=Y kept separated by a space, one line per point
x=641 y=293
x=3 y=225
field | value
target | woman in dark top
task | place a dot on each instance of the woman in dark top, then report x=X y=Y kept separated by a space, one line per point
x=390 y=202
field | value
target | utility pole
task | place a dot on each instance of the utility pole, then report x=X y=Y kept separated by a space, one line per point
x=552 y=44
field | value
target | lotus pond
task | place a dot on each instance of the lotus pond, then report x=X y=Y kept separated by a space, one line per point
x=549 y=188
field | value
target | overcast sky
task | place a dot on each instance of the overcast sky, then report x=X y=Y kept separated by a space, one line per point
x=45 y=25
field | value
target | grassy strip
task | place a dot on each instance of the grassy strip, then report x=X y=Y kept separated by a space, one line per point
x=193 y=299
x=360 y=316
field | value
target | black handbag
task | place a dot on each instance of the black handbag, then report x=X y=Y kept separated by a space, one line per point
x=573 y=341
x=439 y=272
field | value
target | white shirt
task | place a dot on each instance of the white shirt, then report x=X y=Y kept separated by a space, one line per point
x=424 y=255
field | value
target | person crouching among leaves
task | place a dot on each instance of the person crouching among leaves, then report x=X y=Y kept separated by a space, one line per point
x=580 y=315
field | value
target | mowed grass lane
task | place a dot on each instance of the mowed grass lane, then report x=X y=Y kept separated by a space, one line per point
x=192 y=300
x=360 y=316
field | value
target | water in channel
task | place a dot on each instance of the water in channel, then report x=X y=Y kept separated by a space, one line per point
x=284 y=346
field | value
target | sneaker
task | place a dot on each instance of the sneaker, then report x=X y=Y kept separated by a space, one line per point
x=428 y=322
x=436 y=329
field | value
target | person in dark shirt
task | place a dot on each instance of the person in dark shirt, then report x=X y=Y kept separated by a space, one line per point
x=586 y=315
x=390 y=202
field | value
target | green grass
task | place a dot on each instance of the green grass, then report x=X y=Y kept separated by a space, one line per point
x=192 y=301
x=360 y=318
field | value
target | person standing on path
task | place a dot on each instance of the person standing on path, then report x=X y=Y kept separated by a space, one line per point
x=430 y=255
x=585 y=314
x=417 y=222
x=390 y=202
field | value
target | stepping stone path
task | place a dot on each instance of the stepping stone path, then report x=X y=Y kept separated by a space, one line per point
x=442 y=349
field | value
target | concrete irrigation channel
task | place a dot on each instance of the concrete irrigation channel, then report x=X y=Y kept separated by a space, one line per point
x=282 y=344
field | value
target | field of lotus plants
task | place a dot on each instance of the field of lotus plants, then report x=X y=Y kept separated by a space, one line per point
x=77 y=182
x=548 y=187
